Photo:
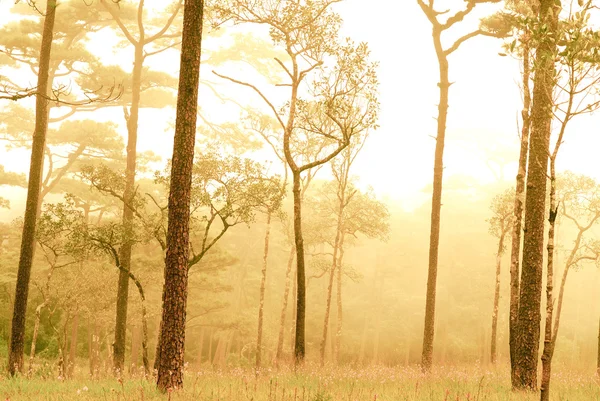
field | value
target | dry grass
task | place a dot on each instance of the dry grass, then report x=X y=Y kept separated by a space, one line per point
x=310 y=383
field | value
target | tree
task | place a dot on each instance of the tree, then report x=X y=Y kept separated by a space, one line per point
x=15 y=359
x=580 y=201
x=438 y=28
x=131 y=117
x=172 y=326
x=500 y=223
x=341 y=100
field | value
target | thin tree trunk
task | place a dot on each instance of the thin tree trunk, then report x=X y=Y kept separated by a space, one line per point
x=172 y=338
x=436 y=204
x=299 y=344
x=200 y=348
x=497 y=297
x=334 y=267
x=515 y=252
x=17 y=339
x=529 y=316
x=129 y=193
x=286 y=293
x=263 y=283
x=338 y=333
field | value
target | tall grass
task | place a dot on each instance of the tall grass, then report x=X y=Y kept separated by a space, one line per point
x=309 y=383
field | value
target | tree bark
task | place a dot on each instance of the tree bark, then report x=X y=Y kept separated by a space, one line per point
x=527 y=341
x=436 y=203
x=284 y=305
x=497 y=297
x=515 y=252
x=299 y=342
x=263 y=283
x=17 y=340
x=172 y=338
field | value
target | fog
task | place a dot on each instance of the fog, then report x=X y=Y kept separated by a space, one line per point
x=384 y=269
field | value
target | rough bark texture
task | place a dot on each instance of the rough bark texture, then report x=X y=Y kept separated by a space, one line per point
x=132 y=118
x=528 y=334
x=17 y=339
x=497 y=296
x=263 y=283
x=172 y=337
x=436 y=204
x=515 y=252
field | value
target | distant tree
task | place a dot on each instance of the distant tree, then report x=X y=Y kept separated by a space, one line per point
x=172 y=327
x=438 y=28
x=140 y=44
x=15 y=358
x=500 y=224
x=341 y=100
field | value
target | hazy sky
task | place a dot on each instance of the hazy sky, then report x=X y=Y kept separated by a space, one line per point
x=484 y=102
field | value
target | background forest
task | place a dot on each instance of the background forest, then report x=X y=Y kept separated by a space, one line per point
x=365 y=83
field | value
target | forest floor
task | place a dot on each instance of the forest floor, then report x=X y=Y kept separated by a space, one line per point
x=376 y=383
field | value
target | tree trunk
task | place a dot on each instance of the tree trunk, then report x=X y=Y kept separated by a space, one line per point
x=73 y=345
x=529 y=315
x=284 y=305
x=129 y=193
x=338 y=333
x=17 y=339
x=496 y=297
x=515 y=252
x=436 y=204
x=263 y=283
x=172 y=338
x=299 y=344
x=200 y=348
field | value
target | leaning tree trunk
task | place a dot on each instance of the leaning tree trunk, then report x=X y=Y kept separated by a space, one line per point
x=286 y=293
x=436 y=205
x=299 y=342
x=515 y=252
x=529 y=316
x=497 y=296
x=263 y=283
x=129 y=193
x=17 y=339
x=172 y=337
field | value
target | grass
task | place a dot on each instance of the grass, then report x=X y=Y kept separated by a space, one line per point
x=376 y=383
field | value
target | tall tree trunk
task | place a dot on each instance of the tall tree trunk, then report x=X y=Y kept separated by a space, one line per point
x=496 y=297
x=436 y=203
x=17 y=339
x=334 y=267
x=286 y=293
x=535 y=204
x=338 y=332
x=131 y=118
x=299 y=344
x=263 y=283
x=172 y=338
x=515 y=252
